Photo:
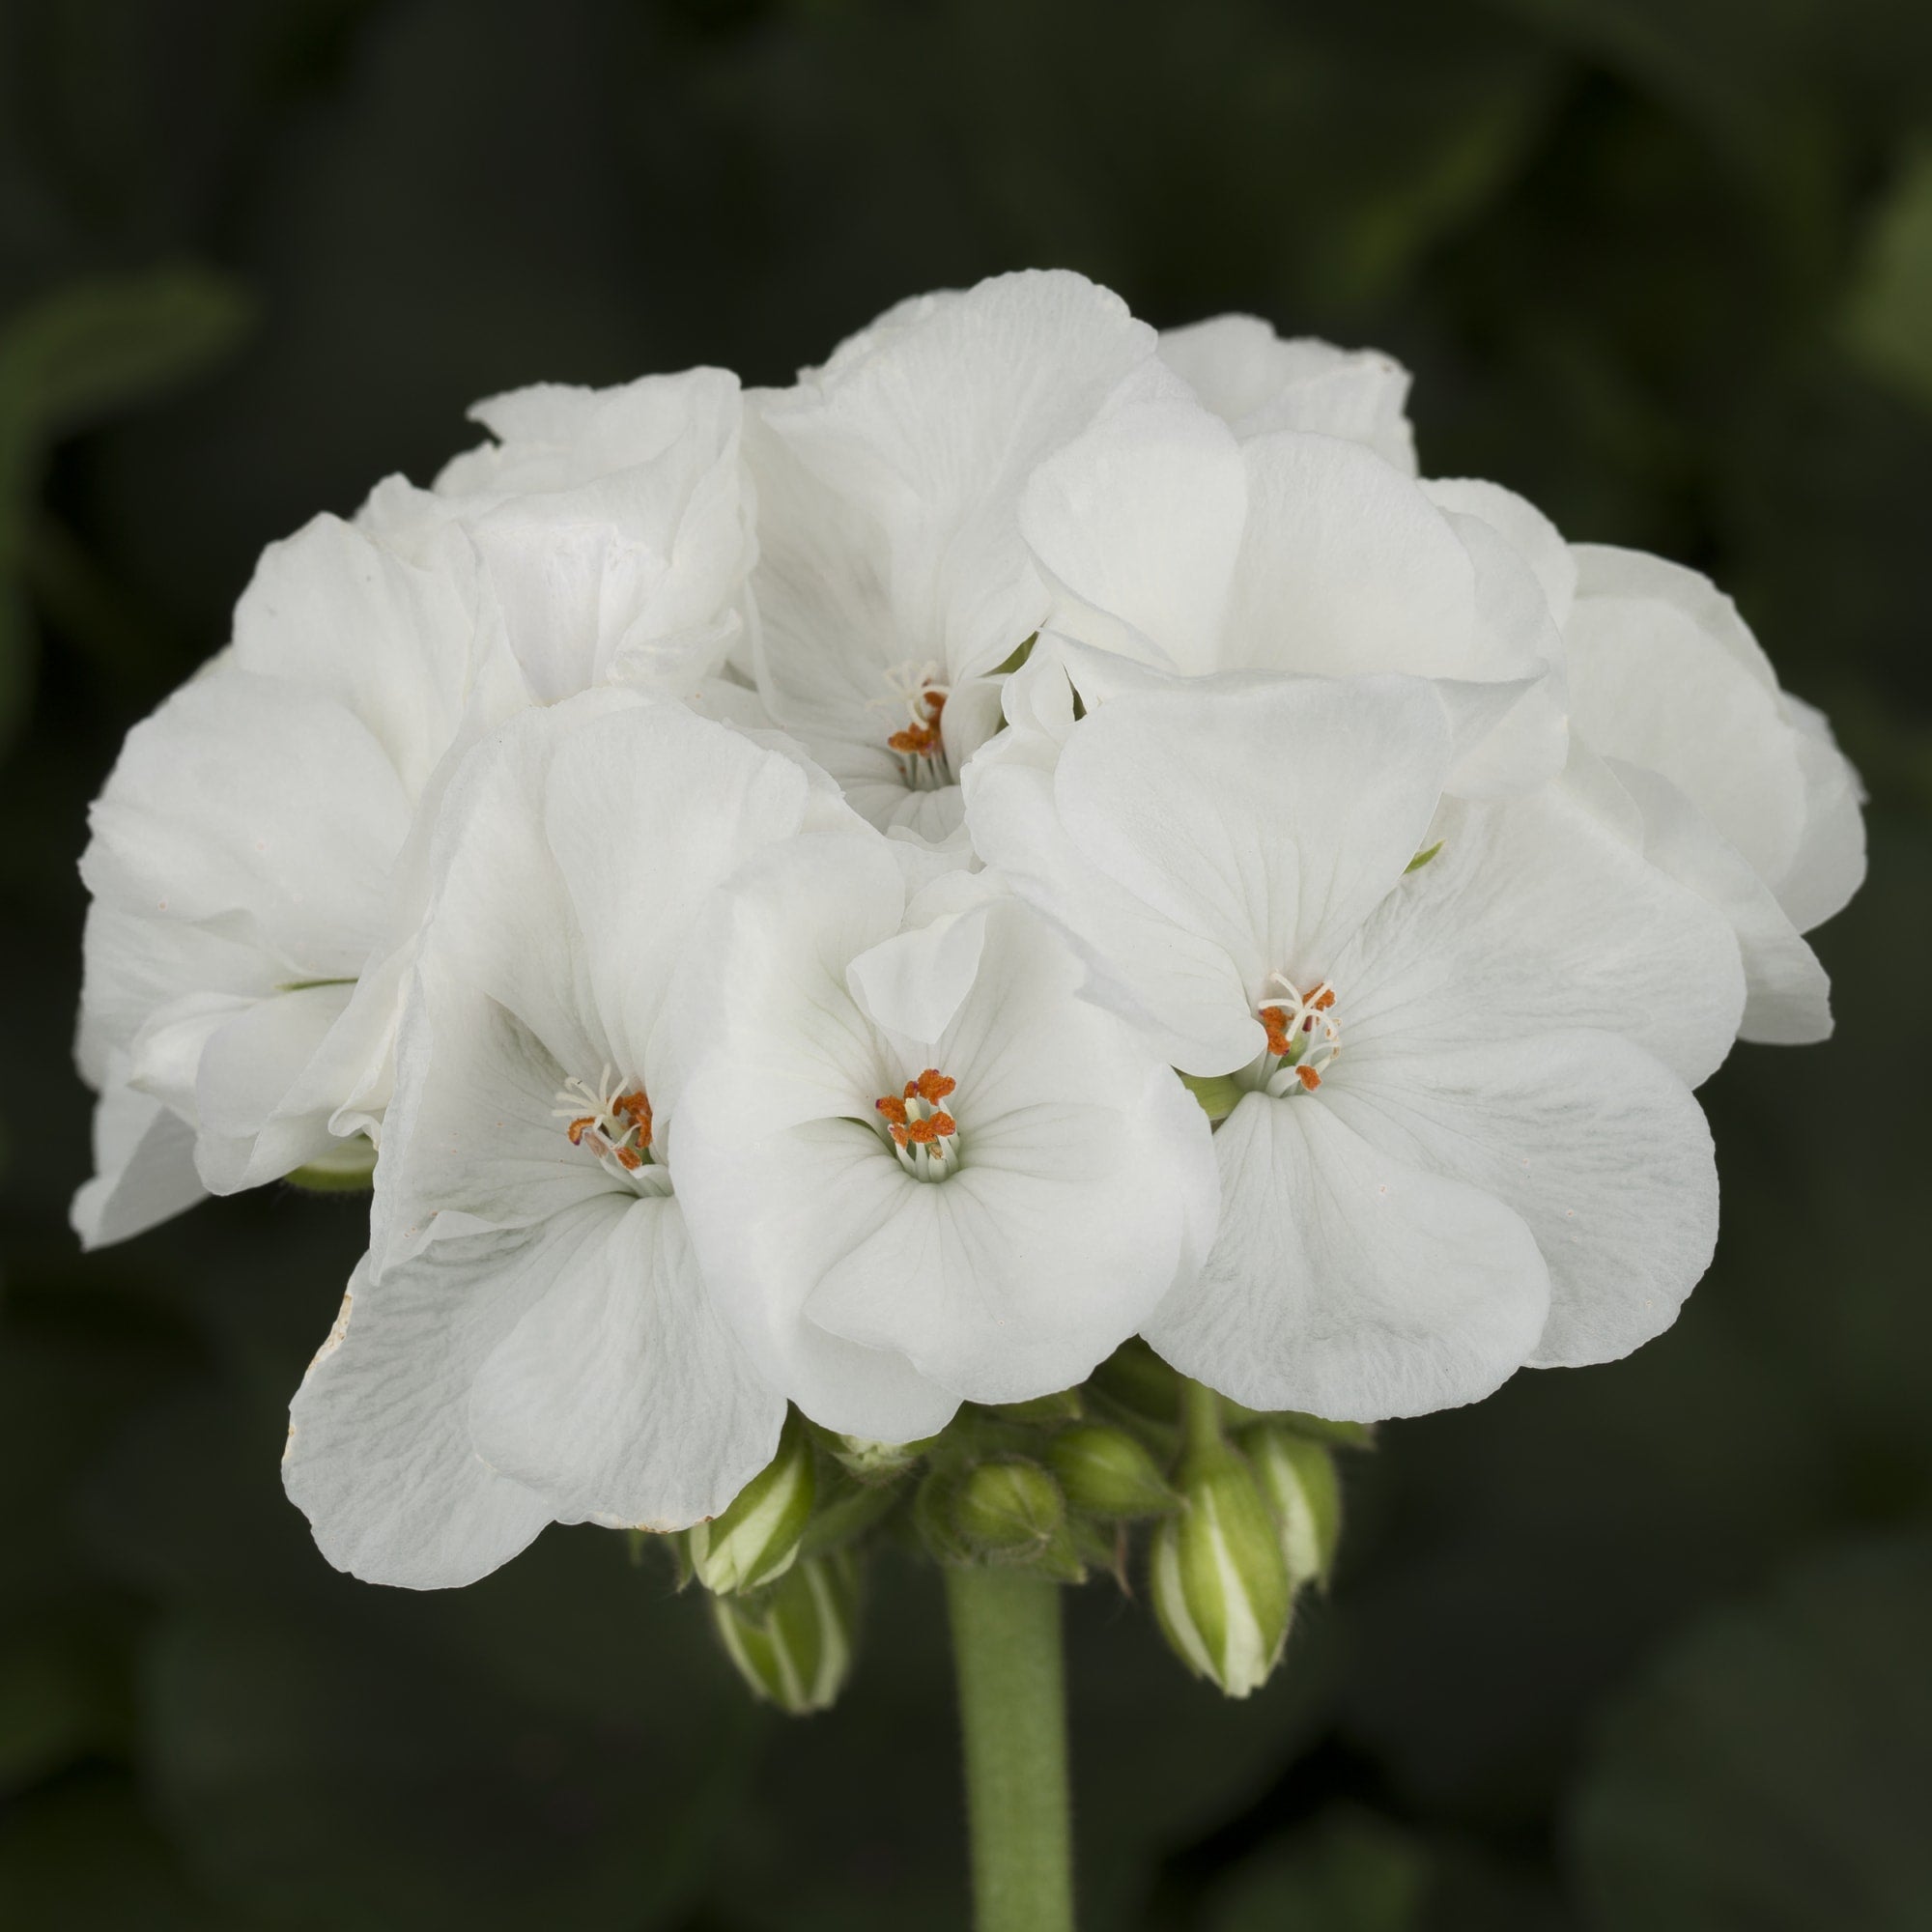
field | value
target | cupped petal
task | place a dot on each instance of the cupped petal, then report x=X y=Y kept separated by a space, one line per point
x=1348 y=1282
x=1535 y=916
x=1603 y=1153
x=380 y=1457
x=620 y=1395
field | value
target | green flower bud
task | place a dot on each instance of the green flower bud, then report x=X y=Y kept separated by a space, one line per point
x=756 y=1540
x=1107 y=1473
x=1007 y=1509
x=1219 y=1584
x=870 y=1462
x=792 y=1643
x=1297 y=1477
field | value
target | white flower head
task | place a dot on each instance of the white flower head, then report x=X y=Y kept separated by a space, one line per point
x=1460 y=1134
x=530 y=1339
x=917 y=1166
x=892 y=581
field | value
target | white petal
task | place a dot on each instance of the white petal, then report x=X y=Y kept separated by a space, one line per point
x=1138 y=524
x=913 y=982
x=1345 y=567
x=143 y=1169
x=1787 y=997
x=1257 y=381
x=1349 y=1283
x=1828 y=864
x=380 y=1457
x=1663 y=674
x=390 y=641
x=1534 y=538
x=1268 y=816
x=1602 y=1151
x=260 y=799
x=1536 y=917
x=620 y=1397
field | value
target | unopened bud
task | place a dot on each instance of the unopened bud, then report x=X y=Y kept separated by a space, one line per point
x=1107 y=1473
x=792 y=1643
x=870 y=1462
x=756 y=1540
x=1008 y=1507
x=1220 y=1586
x=1297 y=1477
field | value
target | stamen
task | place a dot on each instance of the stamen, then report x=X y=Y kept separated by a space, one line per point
x=617 y=1128
x=923 y=1133
x=920 y=692
x=1303 y=1037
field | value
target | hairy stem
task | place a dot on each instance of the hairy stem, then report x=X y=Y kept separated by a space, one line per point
x=1012 y=1708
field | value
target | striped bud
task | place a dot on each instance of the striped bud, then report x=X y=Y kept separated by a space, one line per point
x=792 y=1643
x=1219 y=1584
x=1007 y=1509
x=756 y=1540
x=1297 y=1477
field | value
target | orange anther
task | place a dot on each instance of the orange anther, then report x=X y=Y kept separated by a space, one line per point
x=1308 y=1077
x=893 y=1109
x=922 y=1133
x=629 y=1158
x=902 y=1134
x=1325 y=999
x=1276 y=1020
x=577 y=1129
x=931 y=1086
x=634 y=1107
x=943 y=1124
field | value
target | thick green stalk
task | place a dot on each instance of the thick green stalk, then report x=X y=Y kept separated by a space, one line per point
x=1012 y=1708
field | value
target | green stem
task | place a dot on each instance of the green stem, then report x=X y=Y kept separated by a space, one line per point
x=1012 y=1708
x=1200 y=1414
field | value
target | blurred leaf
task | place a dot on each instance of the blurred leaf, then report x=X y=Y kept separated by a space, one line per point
x=97 y=345
x=1350 y=1871
x=1773 y=1773
x=1888 y=310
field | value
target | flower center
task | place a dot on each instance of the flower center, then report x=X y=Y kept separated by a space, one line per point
x=924 y=1136
x=613 y=1120
x=919 y=695
x=1303 y=1037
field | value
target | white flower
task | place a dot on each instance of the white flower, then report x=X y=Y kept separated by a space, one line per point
x=614 y=528
x=1461 y=1135
x=1171 y=544
x=1254 y=381
x=530 y=1339
x=256 y=858
x=1740 y=789
x=241 y=867
x=892 y=581
x=917 y=1166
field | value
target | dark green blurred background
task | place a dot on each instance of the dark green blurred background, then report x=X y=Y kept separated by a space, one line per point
x=1637 y=1647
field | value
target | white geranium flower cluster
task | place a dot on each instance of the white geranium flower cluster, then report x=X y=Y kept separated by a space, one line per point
x=867 y=895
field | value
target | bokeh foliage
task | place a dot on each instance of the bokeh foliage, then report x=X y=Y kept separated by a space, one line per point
x=1639 y=1647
